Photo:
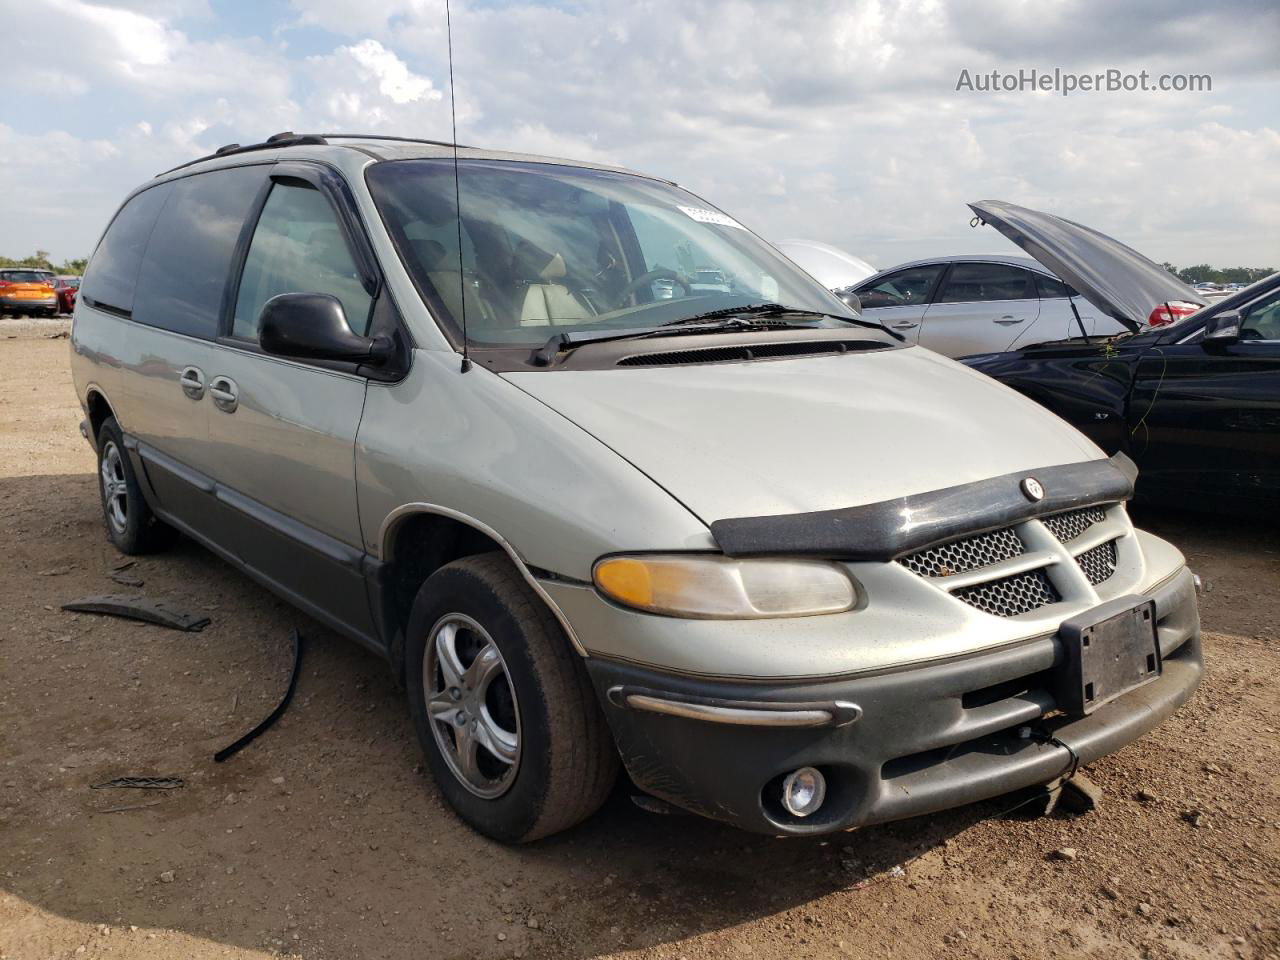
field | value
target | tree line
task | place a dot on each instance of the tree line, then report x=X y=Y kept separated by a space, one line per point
x=1204 y=273
x=40 y=261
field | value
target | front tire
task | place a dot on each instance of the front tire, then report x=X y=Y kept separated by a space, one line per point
x=502 y=705
x=131 y=526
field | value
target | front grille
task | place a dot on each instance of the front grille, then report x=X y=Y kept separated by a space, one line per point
x=960 y=556
x=1099 y=563
x=1071 y=524
x=749 y=351
x=1011 y=596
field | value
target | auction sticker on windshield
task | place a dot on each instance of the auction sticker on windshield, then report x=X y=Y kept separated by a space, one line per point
x=703 y=215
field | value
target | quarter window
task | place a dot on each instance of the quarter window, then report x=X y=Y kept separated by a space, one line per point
x=298 y=247
x=1051 y=288
x=978 y=282
x=112 y=274
x=184 y=274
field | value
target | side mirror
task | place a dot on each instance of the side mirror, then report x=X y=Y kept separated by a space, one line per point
x=851 y=299
x=313 y=326
x=1223 y=329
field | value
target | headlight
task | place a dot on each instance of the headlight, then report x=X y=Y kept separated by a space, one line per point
x=717 y=588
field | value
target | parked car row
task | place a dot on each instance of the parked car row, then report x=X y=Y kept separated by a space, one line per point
x=605 y=478
x=1185 y=381
x=27 y=291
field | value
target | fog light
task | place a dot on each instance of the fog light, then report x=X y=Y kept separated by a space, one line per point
x=803 y=791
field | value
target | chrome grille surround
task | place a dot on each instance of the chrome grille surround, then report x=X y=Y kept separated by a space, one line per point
x=961 y=556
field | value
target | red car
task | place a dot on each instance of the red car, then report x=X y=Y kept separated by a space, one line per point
x=66 y=288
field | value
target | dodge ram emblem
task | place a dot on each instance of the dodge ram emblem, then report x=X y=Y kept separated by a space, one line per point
x=1032 y=489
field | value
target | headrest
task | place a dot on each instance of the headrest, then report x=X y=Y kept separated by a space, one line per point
x=555 y=269
x=429 y=252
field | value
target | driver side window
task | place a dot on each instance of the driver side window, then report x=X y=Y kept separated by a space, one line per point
x=1262 y=320
x=902 y=289
x=298 y=247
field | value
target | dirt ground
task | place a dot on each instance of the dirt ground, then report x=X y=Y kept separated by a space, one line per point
x=327 y=839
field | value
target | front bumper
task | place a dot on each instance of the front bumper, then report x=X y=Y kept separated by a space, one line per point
x=893 y=744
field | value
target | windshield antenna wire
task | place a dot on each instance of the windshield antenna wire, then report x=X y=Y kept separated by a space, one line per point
x=457 y=189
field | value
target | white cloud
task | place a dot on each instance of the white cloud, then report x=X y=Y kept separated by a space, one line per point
x=395 y=80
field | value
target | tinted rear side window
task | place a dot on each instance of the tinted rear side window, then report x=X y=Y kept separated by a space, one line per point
x=977 y=282
x=113 y=271
x=185 y=271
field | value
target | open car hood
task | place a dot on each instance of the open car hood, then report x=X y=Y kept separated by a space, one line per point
x=1116 y=279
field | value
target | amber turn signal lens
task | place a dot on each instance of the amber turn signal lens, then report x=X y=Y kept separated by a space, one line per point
x=709 y=586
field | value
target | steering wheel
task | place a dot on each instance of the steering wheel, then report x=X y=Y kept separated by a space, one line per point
x=660 y=273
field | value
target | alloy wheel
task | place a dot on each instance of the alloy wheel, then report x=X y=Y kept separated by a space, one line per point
x=471 y=704
x=115 y=490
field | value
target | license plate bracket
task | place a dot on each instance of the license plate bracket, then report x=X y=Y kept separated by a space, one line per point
x=1109 y=651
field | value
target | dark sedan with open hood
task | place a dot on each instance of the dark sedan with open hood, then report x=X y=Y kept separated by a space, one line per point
x=1196 y=402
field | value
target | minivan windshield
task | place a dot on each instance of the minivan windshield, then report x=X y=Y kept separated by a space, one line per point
x=549 y=249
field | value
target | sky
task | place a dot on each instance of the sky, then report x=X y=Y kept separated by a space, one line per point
x=838 y=122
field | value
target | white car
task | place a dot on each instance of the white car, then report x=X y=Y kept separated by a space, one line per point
x=987 y=303
x=981 y=303
x=832 y=267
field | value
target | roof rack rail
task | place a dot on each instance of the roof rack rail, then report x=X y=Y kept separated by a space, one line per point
x=286 y=139
x=380 y=136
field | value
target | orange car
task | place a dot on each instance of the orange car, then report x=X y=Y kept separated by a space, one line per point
x=27 y=292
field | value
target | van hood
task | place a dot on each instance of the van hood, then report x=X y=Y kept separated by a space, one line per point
x=787 y=436
x=1116 y=279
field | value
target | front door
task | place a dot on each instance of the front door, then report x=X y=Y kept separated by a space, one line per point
x=898 y=301
x=983 y=307
x=1205 y=418
x=284 y=431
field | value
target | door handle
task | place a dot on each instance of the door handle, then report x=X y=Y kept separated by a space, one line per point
x=191 y=379
x=905 y=324
x=224 y=393
x=1009 y=320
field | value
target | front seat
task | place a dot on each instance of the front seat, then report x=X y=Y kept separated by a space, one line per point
x=548 y=302
x=441 y=269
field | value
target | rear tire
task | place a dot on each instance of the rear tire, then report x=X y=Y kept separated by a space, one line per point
x=131 y=525
x=518 y=685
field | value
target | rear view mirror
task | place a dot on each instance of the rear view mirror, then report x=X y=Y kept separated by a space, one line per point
x=1224 y=328
x=313 y=326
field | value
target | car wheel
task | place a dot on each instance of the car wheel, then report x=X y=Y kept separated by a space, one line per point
x=131 y=525
x=502 y=704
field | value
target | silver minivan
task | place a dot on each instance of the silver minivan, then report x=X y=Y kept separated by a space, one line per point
x=795 y=573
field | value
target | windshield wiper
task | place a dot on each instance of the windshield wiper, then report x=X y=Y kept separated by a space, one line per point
x=769 y=309
x=558 y=343
x=724 y=320
x=747 y=310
